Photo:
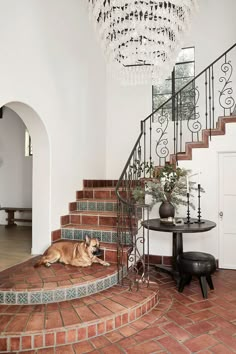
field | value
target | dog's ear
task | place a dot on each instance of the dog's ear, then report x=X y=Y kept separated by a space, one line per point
x=87 y=240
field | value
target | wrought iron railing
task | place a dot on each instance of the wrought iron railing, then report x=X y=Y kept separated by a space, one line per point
x=164 y=133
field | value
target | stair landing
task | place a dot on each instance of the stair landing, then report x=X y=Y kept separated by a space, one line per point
x=27 y=328
x=25 y=285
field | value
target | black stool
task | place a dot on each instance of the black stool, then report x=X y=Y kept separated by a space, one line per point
x=199 y=264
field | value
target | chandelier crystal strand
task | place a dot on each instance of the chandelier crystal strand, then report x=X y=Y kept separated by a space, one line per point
x=141 y=39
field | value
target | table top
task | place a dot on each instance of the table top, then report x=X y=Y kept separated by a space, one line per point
x=155 y=224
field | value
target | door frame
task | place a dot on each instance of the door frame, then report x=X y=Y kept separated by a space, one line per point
x=221 y=154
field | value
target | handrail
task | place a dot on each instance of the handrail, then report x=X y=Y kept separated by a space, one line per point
x=189 y=82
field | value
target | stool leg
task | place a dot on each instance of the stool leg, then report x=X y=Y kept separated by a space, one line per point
x=203 y=284
x=181 y=285
x=209 y=281
x=188 y=279
x=184 y=280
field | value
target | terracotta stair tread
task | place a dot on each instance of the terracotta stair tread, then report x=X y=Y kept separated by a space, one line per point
x=27 y=278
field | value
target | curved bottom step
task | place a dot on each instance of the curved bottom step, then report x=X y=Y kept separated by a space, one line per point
x=28 y=327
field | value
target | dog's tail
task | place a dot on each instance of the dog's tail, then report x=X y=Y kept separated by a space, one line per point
x=39 y=263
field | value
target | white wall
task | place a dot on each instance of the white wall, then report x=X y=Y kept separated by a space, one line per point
x=213 y=32
x=205 y=161
x=51 y=62
x=15 y=167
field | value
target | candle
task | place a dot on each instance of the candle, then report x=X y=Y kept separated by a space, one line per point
x=187 y=184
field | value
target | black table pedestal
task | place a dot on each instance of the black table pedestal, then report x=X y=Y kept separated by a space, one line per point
x=177 y=239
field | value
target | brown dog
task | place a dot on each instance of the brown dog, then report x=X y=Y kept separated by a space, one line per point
x=79 y=254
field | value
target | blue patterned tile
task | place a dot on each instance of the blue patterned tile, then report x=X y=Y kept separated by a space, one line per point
x=114 y=279
x=47 y=297
x=59 y=295
x=83 y=206
x=36 y=298
x=81 y=291
x=68 y=234
x=78 y=234
x=106 y=237
x=91 y=206
x=109 y=206
x=70 y=294
x=87 y=232
x=1 y=298
x=10 y=298
x=22 y=298
x=106 y=283
x=100 y=206
x=91 y=289
x=114 y=237
x=97 y=234
x=100 y=285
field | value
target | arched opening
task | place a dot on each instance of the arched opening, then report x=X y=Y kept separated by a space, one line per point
x=41 y=233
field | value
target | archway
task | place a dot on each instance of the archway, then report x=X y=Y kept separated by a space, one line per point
x=41 y=233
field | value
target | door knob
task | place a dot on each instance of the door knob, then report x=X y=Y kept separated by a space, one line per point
x=221 y=214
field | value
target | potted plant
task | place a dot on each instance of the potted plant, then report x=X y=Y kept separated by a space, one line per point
x=169 y=186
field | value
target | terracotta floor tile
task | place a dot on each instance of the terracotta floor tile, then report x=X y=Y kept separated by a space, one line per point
x=201 y=342
x=221 y=349
x=100 y=341
x=226 y=338
x=69 y=317
x=114 y=336
x=82 y=348
x=200 y=328
x=127 y=331
x=172 y=346
x=177 y=332
x=144 y=348
x=85 y=314
x=112 y=349
x=178 y=318
x=202 y=315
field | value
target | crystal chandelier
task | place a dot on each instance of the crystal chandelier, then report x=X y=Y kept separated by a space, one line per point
x=141 y=38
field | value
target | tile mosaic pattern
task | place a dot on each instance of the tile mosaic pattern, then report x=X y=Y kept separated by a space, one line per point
x=57 y=283
x=97 y=206
x=104 y=236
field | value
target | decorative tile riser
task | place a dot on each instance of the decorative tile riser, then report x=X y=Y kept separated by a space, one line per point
x=74 y=334
x=57 y=295
x=104 y=236
x=96 y=206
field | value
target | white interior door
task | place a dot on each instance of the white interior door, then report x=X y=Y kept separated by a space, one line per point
x=227 y=210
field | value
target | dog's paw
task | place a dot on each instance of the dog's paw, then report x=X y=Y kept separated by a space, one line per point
x=106 y=264
x=48 y=264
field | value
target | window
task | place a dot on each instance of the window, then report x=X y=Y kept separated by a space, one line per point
x=183 y=72
x=28 y=145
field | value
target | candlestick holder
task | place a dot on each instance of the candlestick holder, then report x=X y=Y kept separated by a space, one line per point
x=188 y=212
x=199 y=221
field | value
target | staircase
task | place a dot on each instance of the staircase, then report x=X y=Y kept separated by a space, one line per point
x=64 y=305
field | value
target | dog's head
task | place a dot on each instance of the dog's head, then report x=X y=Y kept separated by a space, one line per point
x=93 y=245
